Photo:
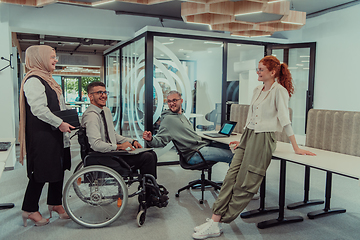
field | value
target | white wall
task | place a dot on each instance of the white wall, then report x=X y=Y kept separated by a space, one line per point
x=7 y=119
x=337 y=80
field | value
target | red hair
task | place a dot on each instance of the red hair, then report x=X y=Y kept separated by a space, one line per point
x=282 y=72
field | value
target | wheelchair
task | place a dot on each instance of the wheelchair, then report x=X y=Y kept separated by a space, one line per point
x=95 y=196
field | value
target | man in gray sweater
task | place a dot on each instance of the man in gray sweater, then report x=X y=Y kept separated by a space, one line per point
x=176 y=127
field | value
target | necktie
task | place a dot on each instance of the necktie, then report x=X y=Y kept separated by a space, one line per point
x=105 y=126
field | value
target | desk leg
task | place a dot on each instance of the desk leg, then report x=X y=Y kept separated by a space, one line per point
x=327 y=209
x=281 y=219
x=306 y=201
x=261 y=210
x=6 y=205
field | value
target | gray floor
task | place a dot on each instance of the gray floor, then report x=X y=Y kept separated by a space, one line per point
x=178 y=219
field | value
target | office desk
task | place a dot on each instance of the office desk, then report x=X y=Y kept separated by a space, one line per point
x=3 y=158
x=349 y=166
x=224 y=140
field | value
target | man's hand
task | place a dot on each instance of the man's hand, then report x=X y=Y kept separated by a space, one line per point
x=65 y=127
x=147 y=135
x=137 y=144
x=124 y=146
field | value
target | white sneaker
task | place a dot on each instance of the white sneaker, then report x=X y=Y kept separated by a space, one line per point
x=198 y=228
x=209 y=229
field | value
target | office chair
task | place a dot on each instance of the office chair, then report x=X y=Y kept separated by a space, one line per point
x=203 y=166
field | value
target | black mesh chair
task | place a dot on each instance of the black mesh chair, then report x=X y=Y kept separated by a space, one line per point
x=203 y=166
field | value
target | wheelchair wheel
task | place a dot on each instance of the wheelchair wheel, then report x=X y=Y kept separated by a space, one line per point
x=79 y=166
x=95 y=196
x=140 y=218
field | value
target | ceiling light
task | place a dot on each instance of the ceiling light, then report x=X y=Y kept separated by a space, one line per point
x=219 y=43
x=101 y=2
x=167 y=43
x=294 y=23
x=275 y=1
x=171 y=39
x=185 y=51
x=306 y=61
x=267 y=35
x=238 y=45
x=242 y=14
x=304 y=56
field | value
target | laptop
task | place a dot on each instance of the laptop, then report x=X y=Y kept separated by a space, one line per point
x=70 y=116
x=225 y=130
x=4 y=146
x=134 y=152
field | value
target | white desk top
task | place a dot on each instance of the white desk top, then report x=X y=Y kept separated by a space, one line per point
x=225 y=140
x=326 y=160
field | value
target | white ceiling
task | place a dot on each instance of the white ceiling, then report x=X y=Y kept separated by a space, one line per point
x=168 y=15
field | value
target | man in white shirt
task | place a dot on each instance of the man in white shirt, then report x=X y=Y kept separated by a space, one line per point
x=97 y=120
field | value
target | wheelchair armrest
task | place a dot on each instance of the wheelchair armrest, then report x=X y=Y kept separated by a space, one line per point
x=122 y=162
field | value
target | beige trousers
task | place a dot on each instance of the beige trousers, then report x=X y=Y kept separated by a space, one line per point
x=247 y=170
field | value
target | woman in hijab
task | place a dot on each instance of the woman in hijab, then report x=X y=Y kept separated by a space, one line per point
x=42 y=135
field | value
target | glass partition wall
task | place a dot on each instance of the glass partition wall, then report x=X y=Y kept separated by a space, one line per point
x=210 y=73
x=113 y=86
x=300 y=58
x=193 y=68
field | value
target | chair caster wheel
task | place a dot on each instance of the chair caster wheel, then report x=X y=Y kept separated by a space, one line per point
x=177 y=195
x=140 y=218
x=201 y=201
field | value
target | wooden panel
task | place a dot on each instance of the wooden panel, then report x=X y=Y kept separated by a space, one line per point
x=188 y=8
x=21 y=2
x=231 y=27
x=226 y=8
x=40 y=3
x=75 y=2
x=209 y=18
x=295 y=17
x=252 y=33
x=281 y=8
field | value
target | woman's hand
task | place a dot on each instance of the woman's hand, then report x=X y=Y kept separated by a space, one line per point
x=65 y=127
x=304 y=152
x=234 y=142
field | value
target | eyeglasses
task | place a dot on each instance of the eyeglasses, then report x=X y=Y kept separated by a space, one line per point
x=173 y=101
x=259 y=70
x=101 y=92
x=55 y=57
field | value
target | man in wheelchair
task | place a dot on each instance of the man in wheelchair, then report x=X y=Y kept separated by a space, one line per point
x=101 y=135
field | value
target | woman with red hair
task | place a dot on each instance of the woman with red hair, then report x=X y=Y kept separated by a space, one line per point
x=268 y=113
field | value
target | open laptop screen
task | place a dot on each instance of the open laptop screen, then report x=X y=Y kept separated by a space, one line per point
x=227 y=128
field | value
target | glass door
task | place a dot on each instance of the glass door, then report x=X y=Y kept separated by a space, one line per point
x=301 y=61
